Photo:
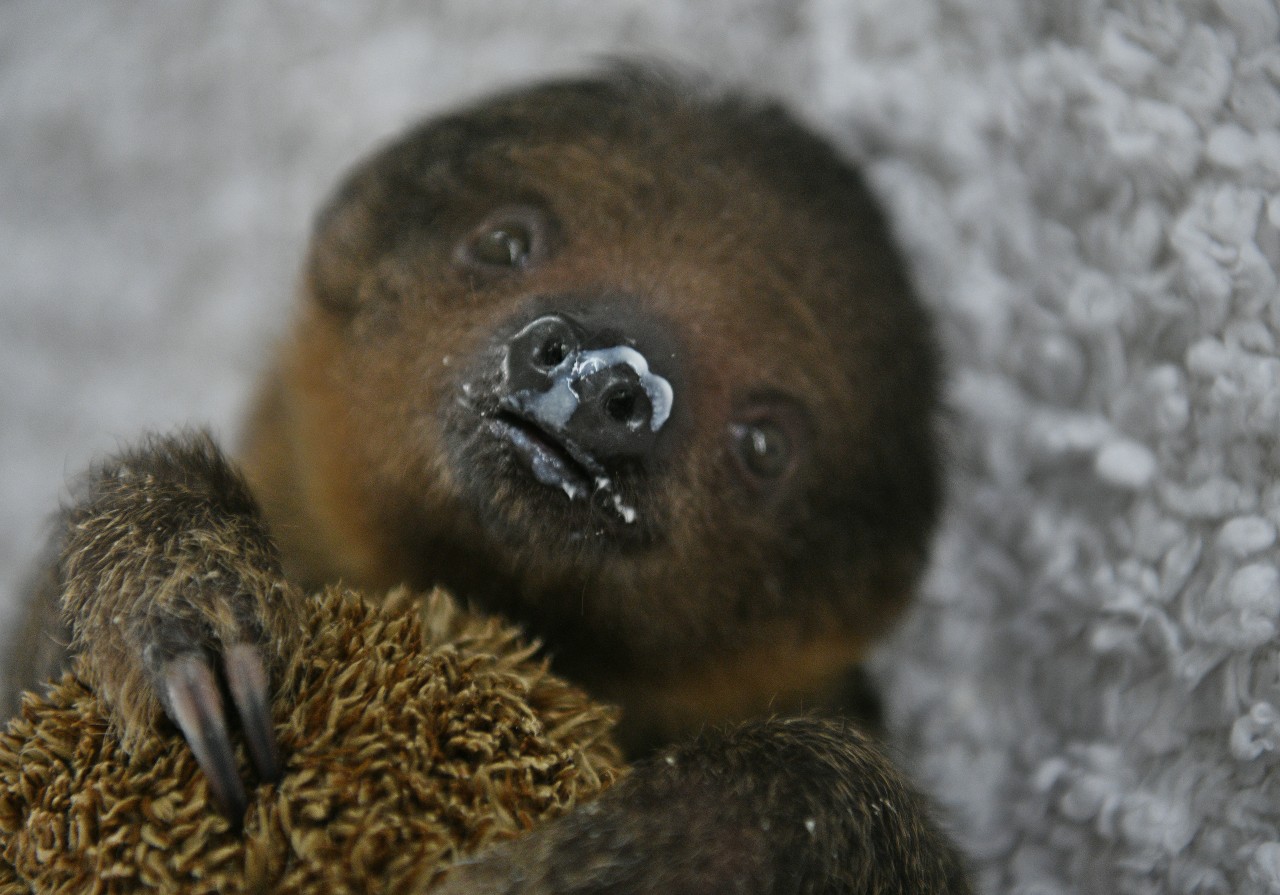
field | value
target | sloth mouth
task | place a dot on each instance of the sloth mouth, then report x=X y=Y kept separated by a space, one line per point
x=553 y=460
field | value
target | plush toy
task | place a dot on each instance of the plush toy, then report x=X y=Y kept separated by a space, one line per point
x=414 y=733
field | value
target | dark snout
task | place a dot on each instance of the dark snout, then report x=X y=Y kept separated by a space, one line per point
x=606 y=399
x=584 y=397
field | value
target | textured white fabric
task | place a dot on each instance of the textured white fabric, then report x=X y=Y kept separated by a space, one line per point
x=1089 y=192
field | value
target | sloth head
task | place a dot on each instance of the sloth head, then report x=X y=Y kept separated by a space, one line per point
x=632 y=361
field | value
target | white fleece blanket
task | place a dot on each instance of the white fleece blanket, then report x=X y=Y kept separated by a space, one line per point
x=1089 y=192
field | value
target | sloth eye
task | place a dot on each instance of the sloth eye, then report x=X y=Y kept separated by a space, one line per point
x=502 y=247
x=763 y=448
x=768 y=437
x=511 y=239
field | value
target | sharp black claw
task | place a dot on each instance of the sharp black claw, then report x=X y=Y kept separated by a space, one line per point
x=195 y=703
x=247 y=681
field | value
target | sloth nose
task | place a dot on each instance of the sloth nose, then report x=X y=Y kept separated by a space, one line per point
x=589 y=389
x=614 y=417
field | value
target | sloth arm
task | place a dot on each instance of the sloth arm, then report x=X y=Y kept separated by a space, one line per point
x=171 y=592
x=798 y=805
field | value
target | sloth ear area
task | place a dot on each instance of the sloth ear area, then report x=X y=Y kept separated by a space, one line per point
x=347 y=238
x=509 y=240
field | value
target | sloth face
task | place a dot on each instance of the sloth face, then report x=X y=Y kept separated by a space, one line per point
x=624 y=362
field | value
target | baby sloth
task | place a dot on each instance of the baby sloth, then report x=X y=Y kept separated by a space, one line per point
x=636 y=365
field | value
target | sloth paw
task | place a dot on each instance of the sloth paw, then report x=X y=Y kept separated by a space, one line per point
x=176 y=602
x=191 y=644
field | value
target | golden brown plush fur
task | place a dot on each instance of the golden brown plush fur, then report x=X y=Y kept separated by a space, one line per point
x=413 y=733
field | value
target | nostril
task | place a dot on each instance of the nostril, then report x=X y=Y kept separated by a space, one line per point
x=551 y=353
x=620 y=405
x=542 y=346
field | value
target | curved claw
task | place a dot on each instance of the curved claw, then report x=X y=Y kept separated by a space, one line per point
x=195 y=702
x=196 y=706
x=247 y=681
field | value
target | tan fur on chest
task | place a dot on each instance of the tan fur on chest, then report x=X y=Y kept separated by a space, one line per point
x=783 y=674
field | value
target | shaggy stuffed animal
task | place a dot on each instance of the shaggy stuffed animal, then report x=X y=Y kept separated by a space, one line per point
x=414 y=733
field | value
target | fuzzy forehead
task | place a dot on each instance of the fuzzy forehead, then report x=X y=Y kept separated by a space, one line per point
x=651 y=113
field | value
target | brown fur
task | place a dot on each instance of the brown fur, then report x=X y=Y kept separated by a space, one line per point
x=172 y=535
x=773 y=792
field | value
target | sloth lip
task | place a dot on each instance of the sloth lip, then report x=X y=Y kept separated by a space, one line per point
x=554 y=460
